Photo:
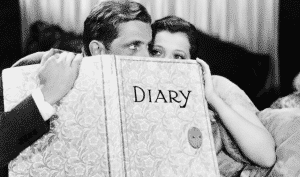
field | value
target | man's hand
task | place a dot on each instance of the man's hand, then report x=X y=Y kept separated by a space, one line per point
x=57 y=74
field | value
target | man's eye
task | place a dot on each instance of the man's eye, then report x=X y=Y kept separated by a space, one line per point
x=180 y=57
x=133 y=47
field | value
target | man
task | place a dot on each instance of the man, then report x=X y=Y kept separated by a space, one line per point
x=119 y=28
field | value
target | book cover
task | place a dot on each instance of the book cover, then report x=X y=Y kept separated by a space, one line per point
x=125 y=116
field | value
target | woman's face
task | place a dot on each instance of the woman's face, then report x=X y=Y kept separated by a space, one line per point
x=171 y=45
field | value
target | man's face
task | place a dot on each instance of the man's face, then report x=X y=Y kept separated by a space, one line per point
x=133 y=39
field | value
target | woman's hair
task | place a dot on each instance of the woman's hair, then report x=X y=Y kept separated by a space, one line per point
x=175 y=24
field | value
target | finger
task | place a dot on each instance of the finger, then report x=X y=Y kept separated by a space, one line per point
x=59 y=51
x=50 y=59
x=62 y=57
x=204 y=65
x=206 y=73
x=70 y=56
x=46 y=56
x=198 y=60
x=77 y=61
x=201 y=62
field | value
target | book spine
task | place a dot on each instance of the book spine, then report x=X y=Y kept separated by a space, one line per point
x=113 y=117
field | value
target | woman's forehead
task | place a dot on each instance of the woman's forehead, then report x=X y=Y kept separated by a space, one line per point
x=176 y=40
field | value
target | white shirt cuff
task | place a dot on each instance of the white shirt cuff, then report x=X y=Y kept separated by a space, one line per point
x=44 y=107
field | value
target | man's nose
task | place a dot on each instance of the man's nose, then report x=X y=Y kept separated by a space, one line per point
x=169 y=56
x=143 y=53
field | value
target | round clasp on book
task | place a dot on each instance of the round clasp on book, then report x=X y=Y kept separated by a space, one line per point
x=195 y=137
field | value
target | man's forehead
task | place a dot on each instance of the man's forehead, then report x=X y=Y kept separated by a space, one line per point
x=136 y=29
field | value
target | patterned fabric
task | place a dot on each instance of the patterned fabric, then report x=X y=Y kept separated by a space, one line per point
x=290 y=101
x=228 y=166
x=230 y=159
x=92 y=127
x=284 y=125
x=64 y=159
x=283 y=121
x=288 y=157
x=75 y=146
x=232 y=95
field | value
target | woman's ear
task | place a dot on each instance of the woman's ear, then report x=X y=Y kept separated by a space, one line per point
x=97 y=48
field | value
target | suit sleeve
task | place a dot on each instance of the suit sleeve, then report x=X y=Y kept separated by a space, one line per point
x=19 y=128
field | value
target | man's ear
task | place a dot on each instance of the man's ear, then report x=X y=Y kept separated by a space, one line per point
x=97 y=48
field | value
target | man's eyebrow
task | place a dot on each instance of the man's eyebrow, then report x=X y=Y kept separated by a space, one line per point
x=136 y=42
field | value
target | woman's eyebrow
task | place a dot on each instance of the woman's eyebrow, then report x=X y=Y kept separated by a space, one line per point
x=155 y=45
x=181 y=51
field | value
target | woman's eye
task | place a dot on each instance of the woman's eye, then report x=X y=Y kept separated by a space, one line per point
x=180 y=57
x=155 y=52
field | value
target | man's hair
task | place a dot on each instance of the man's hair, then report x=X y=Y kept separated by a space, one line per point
x=175 y=24
x=104 y=19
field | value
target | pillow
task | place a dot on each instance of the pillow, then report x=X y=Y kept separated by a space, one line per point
x=290 y=101
x=288 y=157
x=281 y=123
x=284 y=125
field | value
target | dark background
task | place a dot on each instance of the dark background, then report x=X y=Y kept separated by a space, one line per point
x=235 y=59
x=10 y=33
x=289 y=47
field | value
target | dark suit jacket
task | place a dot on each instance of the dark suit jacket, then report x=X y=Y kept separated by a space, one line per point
x=19 y=128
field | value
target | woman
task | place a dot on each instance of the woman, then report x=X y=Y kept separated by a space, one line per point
x=173 y=37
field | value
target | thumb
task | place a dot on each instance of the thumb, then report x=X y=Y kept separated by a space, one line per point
x=204 y=65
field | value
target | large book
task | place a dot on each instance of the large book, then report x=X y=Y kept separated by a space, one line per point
x=125 y=116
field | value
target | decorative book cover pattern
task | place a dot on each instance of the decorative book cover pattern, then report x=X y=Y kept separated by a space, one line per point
x=125 y=116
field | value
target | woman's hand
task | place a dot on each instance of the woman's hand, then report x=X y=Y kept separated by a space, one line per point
x=208 y=85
